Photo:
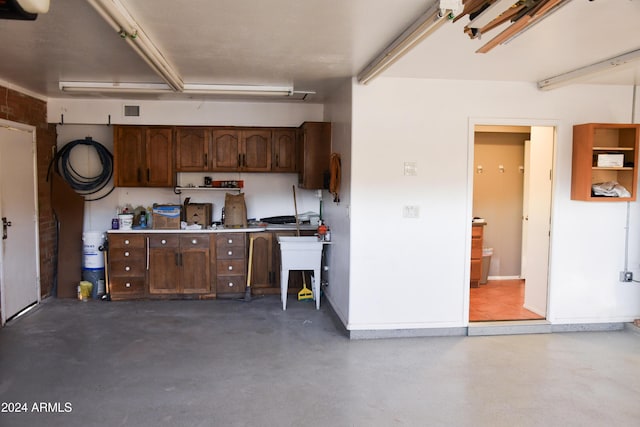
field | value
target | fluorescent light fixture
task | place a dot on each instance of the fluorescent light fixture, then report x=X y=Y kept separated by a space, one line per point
x=126 y=26
x=195 y=89
x=589 y=70
x=253 y=90
x=115 y=87
x=426 y=24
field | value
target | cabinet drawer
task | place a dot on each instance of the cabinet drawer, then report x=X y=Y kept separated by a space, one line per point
x=126 y=241
x=476 y=248
x=164 y=241
x=476 y=270
x=126 y=286
x=194 y=241
x=231 y=252
x=230 y=267
x=229 y=240
x=230 y=284
x=123 y=254
x=127 y=268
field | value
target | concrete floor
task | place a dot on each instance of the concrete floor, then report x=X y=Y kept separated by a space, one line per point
x=227 y=363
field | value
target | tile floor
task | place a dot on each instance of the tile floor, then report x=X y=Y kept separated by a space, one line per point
x=499 y=300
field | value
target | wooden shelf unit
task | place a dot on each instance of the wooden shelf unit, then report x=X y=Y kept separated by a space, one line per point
x=593 y=139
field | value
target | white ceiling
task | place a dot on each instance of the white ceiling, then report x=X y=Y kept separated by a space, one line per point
x=310 y=44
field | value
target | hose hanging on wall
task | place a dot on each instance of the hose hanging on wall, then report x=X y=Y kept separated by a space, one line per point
x=84 y=185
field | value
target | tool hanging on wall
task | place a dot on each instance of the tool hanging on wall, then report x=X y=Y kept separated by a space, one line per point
x=335 y=170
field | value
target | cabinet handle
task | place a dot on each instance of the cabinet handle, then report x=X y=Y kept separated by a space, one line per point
x=126 y=242
x=230 y=285
x=244 y=160
x=277 y=161
x=164 y=242
x=127 y=285
x=239 y=160
x=148 y=174
x=230 y=241
x=230 y=268
x=194 y=242
x=206 y=160
x=126 y=254
x=230 y=253
x=127 y=268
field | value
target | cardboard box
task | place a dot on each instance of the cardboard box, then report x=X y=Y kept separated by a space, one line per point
x=610 y=160
x=199 y=213
x=166 y=217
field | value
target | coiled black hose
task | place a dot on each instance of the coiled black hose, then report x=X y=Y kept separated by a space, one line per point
x=85 y=185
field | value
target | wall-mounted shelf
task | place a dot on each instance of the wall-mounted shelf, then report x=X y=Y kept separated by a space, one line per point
x=592 y=140
x=179 y=190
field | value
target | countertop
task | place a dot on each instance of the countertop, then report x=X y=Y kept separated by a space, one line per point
x=222 y=229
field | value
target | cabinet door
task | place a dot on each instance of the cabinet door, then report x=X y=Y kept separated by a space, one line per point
x=315 y=147
x=159 y=157
x=255 y=153
x=262 y=263
x=129 y=156
x=284 y=150
x=226 y=149
x=164 y=271
x=192 y=149
x=194 y=264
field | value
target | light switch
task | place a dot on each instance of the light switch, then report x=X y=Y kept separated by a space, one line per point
x=410 y=169
x=411 y=211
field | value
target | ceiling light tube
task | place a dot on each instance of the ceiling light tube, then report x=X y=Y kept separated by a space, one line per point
x=426 y=24
x=126 y=26
x=114 y=87
x=589 y=70
x=239 y=89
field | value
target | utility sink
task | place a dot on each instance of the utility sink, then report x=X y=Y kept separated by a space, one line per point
x=300 y=253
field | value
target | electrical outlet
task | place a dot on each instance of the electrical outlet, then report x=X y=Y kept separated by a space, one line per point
x=626 y=276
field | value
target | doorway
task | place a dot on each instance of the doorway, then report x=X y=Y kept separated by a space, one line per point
x=19 y=250
x=512 y=189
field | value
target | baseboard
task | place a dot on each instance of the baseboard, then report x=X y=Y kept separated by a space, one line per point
x=371 y=334
x=504 y=277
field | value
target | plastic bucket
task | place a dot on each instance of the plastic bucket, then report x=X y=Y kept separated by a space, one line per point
x=96 y=278
x=92 y=257
x=126 y=221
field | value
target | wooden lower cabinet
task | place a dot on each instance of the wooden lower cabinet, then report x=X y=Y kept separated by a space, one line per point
x=127 y=266
x=231 y=264
x=179 y=264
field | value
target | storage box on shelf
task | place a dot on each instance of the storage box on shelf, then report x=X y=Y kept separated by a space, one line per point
x=604 y=152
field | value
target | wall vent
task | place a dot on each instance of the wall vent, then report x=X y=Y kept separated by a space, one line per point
x=132 y=111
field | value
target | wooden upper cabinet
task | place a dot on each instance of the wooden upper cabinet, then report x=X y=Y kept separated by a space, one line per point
x=246 y=150
x=255 y=153
x=313 y=154
x=226 y=150
x=128 y=156
x=159 y=157
x=143 y=156
x=284 y=151
x=192 y=149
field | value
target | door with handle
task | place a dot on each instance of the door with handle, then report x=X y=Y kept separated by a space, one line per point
x=19 y=255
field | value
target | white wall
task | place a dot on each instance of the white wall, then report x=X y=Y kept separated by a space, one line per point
x=413 y=273
x=265 y=194
x=338 y=112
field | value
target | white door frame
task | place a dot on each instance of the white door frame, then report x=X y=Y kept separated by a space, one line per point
x=476 y=121
x=30 y=129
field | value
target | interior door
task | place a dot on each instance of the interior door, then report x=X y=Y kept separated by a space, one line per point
x=19 y=256
x=537 y=217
